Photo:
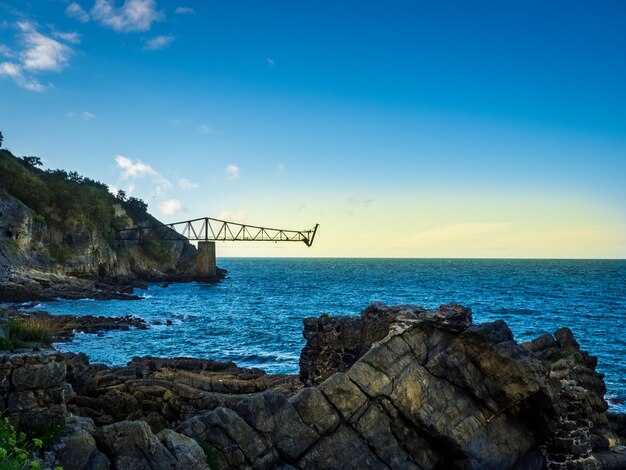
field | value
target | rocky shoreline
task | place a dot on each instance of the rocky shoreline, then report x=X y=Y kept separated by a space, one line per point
x=48 y=286
x=397 y=387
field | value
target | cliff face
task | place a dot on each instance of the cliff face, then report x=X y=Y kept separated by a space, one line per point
x=67 y=250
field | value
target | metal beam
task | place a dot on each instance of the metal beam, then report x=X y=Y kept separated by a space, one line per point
x=209 y=229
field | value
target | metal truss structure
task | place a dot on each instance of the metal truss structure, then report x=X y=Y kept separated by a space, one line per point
x=209 y=229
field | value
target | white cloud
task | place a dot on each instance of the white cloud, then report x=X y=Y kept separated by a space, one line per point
x=136 y=169
x=74 y=10
x=270 y=61
x=85 y=115
x=186 y=184
x=39 y=53
x=14 y=71
x=281 y=168
x=42 y=53
x=170 y=206
x=133 y=15
x=74 y=38
x=159 y=42
x=206 y=129
x=233 y=172
x=184 y=11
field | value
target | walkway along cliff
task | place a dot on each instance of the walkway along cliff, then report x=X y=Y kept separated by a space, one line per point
x=397 y=387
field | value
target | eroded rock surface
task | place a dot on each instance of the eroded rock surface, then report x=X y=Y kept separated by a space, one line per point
x=434 y=391
x=428 y=390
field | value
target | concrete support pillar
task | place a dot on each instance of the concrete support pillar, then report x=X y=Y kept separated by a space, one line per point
x=205 y=260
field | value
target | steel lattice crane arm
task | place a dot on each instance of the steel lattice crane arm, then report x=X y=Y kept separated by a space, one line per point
x=210 y=229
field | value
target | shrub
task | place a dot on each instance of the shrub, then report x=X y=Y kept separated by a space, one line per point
x=5 y=344
x=48 y=432
x=324 y=315
x=23 y=331
x=39 y=219
x=15 y=448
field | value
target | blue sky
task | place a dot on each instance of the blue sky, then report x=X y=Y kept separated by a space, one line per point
x=495 y=129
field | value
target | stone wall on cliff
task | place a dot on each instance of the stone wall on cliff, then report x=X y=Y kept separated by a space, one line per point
x=32 y=388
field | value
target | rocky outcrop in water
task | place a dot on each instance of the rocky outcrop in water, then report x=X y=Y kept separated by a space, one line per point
x=63 y=327
x=435 y=392
x=431 y=390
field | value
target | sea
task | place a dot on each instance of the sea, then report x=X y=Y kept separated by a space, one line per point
x=254 y=316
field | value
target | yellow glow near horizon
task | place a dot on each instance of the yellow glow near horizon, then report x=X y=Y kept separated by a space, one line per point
x=445 y=227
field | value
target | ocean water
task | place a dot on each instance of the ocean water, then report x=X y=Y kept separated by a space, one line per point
x=254 y=316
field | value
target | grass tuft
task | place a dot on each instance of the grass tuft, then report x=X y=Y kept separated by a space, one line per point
x=25 y=331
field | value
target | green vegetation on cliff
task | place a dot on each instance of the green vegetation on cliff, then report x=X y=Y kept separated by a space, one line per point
x=60 y=198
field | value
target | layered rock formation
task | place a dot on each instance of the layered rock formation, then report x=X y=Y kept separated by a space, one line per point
x=54 y=254
x=399 y=387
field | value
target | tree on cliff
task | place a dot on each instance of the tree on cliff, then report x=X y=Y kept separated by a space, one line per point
x=32 y=161
x=1 y=139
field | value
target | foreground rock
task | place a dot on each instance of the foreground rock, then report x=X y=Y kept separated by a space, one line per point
x=434 y=392
x=399 y=387
x=162 y=392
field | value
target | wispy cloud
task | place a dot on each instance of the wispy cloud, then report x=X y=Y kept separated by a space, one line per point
x=232 y=216
x=184 y=11
x=39 y=53
x=206 y=129
x=74 y=38
x=85 y=115
x=7 y=52
x=359 y=202
x=138 y=169
x=74 y=10
x=159 y=42
x=270 y=61
x=14 y=71
x=281 y=168
x=42 y=53
x=170 y=206
x=184 y=183
x=133 y=15
x=233 y=172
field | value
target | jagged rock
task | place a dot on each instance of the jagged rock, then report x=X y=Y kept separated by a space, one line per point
x=131 y=445
x=163 y=392
x=335 y=343
x=79 y=450
x=186 y=451
x=432 y=392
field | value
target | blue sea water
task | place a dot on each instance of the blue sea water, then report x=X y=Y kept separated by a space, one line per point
x=254 y=316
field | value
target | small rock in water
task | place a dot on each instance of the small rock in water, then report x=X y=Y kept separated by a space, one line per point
x=169 y=322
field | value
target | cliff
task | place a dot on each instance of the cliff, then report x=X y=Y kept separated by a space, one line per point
x=57 y=237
